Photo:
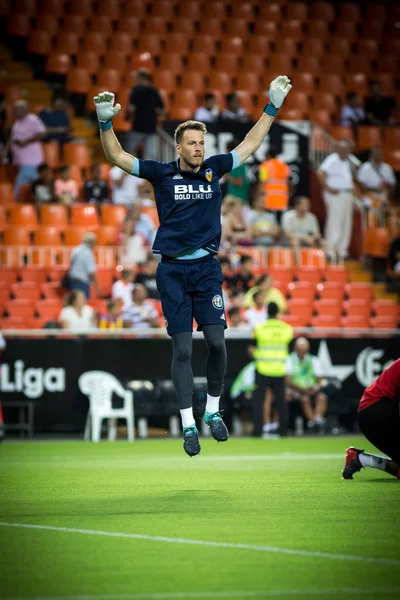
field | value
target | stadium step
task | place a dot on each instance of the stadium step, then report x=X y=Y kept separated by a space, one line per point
x=380 y=292
x=357 y=272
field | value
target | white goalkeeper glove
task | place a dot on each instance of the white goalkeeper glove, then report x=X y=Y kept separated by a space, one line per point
x=278 y=90
x=105 y=109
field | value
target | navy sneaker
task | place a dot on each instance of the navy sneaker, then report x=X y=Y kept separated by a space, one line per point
x=191 y=441
x=352 y=462
x=217 y=426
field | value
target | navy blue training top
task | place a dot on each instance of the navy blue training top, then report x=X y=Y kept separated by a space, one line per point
x=188 y=203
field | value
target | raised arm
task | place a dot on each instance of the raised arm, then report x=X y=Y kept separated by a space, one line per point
x=106 y=110
x=279 y=89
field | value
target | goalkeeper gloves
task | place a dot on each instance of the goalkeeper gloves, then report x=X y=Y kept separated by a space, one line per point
x=105 y=109
x=278 y=90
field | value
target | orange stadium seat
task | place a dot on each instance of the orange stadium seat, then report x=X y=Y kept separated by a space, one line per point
x=373 y=30
x=39 y=42
x=48 y=22
x=163 y=8
x=339 y=48
x=204 y=44
x=157 y=25
x=279 y=63
x=33 y=274
x=184 y=25
x=331 y=83
x=340 y=132
x=260 y=44
x=47 y=236
x=301 y=290
x=357 y=82
x=23 y=215
x=180 y=113
x=325 y=101
x=358 y=291
x=386 y=308
x=20 y=308
x=81 y=7
x=280 y=257
x=84 y=215
x=134 y=8
x=121 y=43
x=368 y=136
x=90 y=61
x=287 y=46
x=3 y=218
x=383 y=322
x=232 y=45
x=286 y=114
x=49 y=308
x=19 y=25
x=297 y=10
x=58 y=62
x=345 y=30
x=107 y=235
x=243 y=11
x=109 y=79
x=358 y=63
x=299 y=100
x=330 y=291
x=199 y=62
x=185 y=98
x=313 y=48
x=116 y=60
x=368 y=48
x=327 y=308
x=13 y=323
x=325 y=322
x=295 y=320
x=271 y=12
x=220 y=81
x=393 y=158
x=150 y=42
x=8 y=276
x=75 y=24
x=56 y=274
x=227 y=62
x=4 y=296
x=322 y=10
x=112 y=214
x=321 y=117
x=6 y=193
x=310 y=274
x=105 y=279
x=194 y=81
x=354 y=322
x=67 y=42
x=25 y=193
x=252 y=64
x=318 y=29
x=217 y=9
x=79 y=81
x=211 y=26
x=54 y=215
x=102 y=21
x=354 y=308
x=292 y=29
x=309 y=64
x=26 y=290
x=129 y=25
x=94 y=41
x=77 y=154
x=171 y=61
x=16 y=236
x=237 y=28
x=190 y=11
x=300 y=307
x=333 y=274
x=51 y=289
x=386 y=82
x=51 y=151
x=248 y=81
x=176 y=39
x=73 y=236
x=349 y=12
x=304 y=82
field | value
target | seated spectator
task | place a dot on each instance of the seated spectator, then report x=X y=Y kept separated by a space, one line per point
x=208 y=113
x=82 y=268
x=304 y=381
x=235 y=231
x=121 y=290
x=257 y=313
x=3 y=121
x=234 y=112
x=235 y=319
x=112 y=319
x=147 y=277
x=95 y=188
x=141 y=313
x=135 y=247
x=143 y=223
x=66 y=189
x=265 y=283
x=264 y=227
x=378 y=108
x=377 y=181
x=126 y=189
x=352 y=114
x=226 y=269
x=76 y=314
x=43 y=187
x=238 y=181
x=394 y=254
x=301 y=227
x=56 y=120
x=243 y=279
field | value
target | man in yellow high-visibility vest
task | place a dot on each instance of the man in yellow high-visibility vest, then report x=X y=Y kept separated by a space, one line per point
x=272 y=339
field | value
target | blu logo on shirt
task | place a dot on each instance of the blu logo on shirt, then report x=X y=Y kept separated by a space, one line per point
x=192 y=192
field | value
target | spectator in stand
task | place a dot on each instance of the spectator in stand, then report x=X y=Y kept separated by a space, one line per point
x=56 y=120
x=238 y=181
x=265 y=283
x=336 y=176
x=145 y=108
x=235 y=319
x=121 y=290
x=126 y=189
x=24 y=142
x=66 y=189
x=96 y=189
x=135 y=247
x=226 y=268
x=264 y=228
x=234 y=111
x=273 y=177
x=235 y=230
x=143 y=223
x=141 y=312
x=208 y=113
x=243 y=279
x=3 y=121
x=378 y=108
x=257 y=313
x=304 y=382
x=300 y=226
x=352 y=113
x=43 y=187
x=112 y=318
x=76 y=314
x=82 y=268
x=147 y=277
x=377 y=182
x=394 y=254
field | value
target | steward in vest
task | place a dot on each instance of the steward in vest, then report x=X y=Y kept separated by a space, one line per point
x=304 y=381
x=273 y=176
x=272 y=339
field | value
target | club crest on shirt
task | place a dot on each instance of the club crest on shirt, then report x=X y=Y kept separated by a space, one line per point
x=208 y=174
x=217 y=302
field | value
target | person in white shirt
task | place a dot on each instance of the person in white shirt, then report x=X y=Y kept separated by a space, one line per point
x=352 y=114
x=301 y=227
x=336 y=176
x=208 y=113
x=141 y=313
x=377 y=182
x=122 y=289
x=236 y=320
x=234 y=111
x=264 y=226
x=257 y=314
x=304 y=382
x=77 y=315
x=126 y=189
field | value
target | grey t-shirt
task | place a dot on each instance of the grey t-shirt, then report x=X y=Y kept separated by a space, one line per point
x=263 y=221
x=300 y=227
x=83 y=263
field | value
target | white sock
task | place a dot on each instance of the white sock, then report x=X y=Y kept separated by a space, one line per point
x=187 y=417
x=212 y=405
x=268 y=427
x=371 y=460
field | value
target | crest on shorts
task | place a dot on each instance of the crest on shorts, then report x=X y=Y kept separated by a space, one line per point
x=217 y=302
x=208 y=174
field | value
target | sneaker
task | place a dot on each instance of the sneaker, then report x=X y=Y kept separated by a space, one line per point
x=217 y=426
x=352 y=464
x=191 y=443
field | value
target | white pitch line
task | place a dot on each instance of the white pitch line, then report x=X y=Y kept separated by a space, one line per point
x=209 y=544
x=226 y=594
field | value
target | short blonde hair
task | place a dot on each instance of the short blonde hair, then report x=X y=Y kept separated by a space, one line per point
x=180 y=130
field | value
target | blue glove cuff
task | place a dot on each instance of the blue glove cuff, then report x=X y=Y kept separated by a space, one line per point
x=105 y=126
x=270 y=110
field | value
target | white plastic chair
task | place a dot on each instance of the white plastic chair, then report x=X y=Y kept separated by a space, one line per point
x=99 y=386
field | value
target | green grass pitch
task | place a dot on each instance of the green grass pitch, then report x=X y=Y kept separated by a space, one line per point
x=246 y=519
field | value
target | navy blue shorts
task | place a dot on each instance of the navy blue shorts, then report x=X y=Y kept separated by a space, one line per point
x=191 y=290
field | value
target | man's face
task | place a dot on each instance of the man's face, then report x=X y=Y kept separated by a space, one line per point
x=20 y=110
x=235 y=319
x=234 y=104
x=303 y=206
x=377 y=154
x=375 y=89
x=191 y=148
x=301 y=349
x=210 y=103
x=246 y=266
x=259 y=201
x=343 y=149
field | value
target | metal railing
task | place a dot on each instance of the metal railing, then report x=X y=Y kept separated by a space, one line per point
x=167 y=147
